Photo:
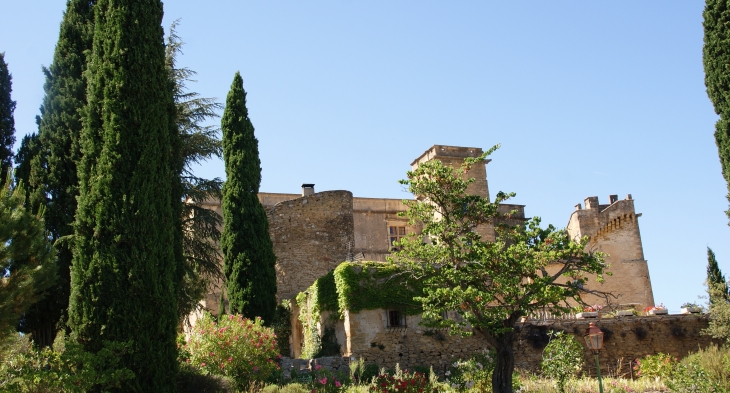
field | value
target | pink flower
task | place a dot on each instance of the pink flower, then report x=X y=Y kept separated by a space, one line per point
x=230 y=359
x=202 y=364
x=338 y=384
x=323 y=381
x=317 y=367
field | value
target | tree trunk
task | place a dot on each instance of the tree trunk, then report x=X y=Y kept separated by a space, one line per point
x=502 y=377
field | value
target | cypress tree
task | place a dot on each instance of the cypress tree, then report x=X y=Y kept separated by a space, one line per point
x=715 y=279
x=716 y=57
x=7 y=123
x=248 y=254
x=127 y=235
x=53 y=176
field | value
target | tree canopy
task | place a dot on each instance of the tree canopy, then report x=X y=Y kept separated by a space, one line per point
x=491 y=284
x=7 y=122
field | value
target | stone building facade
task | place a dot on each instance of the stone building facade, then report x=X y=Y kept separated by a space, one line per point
x=313 y=232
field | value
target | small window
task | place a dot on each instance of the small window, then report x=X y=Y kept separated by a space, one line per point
x=396 y=234
x=396 y=318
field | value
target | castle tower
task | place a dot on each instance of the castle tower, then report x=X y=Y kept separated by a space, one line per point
x=454 y=156
x=613 y=228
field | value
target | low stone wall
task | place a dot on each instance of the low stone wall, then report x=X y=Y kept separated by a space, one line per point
x=306 y=366
x=626 y=339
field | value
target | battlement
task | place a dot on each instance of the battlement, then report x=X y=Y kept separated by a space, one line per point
x=441 y=152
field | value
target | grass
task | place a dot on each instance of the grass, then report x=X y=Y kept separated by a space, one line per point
x=590 y=385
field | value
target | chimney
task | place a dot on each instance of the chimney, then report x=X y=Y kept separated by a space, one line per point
x=307 y=189
x=612 y=199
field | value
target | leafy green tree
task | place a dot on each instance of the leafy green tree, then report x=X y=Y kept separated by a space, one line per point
x=26 y=258
x=51 y=158
x=29 y=148
x=7 y=123
x=248 y=254
x=715 y=279
x=491 y=284
x=716 y=57
x=127 y=256
x=199 y=143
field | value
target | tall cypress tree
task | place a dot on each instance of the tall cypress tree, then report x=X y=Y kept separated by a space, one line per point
x=7 y=123
x=716 y=57
x=248 y=254
x=716 y=283
x=127 y=252
x=53 y=180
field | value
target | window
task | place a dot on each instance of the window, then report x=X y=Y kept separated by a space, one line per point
x=396 y=318
x=396 y=234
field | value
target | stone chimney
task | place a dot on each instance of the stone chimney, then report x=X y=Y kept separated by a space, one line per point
x=307 y=189
x=612 y=199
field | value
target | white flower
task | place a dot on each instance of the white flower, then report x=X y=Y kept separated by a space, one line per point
x=447 y=373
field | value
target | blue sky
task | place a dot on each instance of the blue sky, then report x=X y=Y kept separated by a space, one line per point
x=586 y=98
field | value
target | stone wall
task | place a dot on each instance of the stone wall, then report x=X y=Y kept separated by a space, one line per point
x=626 y=338
x=310 y=236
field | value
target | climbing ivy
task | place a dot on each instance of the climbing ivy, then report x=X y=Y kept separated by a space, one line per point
x=376 y=285
x=354 y=286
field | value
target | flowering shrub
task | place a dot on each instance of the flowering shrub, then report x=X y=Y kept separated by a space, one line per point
x=236 y=347
x=655 y=366
x=403 y=381
x=562 y=358
x=325 y=381
x=658 y=307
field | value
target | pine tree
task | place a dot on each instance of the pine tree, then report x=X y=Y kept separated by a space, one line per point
x=7 y=123
x=26 y=258
x=716 y=57
x=716 y=282
x=199 y=143
x=127 y=256
x=248 y=255
x=52 y=174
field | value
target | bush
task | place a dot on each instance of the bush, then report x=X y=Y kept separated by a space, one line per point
x=655 y=366
x=235 y=347
x=191 y=380
x=706 y=370
x=476 y=373
x=66 y=368
x=562 y=358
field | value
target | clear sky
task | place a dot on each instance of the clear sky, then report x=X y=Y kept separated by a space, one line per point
x=586 y=98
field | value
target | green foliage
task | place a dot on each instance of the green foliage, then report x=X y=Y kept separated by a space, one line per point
x=48 y=161
x=376 y=285
x=248 y=254
x=282 y=327
x=235 y=347
x=491 y=284
x=719 y=314
x=26 y=258
x=290 y=388
x=716 y=57
x=707 y=370
x=562 y=358
x=199 y=143
x=716 y=279
x=127 y=242
x=191 y=379
x=474 y=373
x=66 y=368
x=655 y=366
x=7 y=123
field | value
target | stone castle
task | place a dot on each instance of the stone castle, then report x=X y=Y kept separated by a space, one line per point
x=313 y=232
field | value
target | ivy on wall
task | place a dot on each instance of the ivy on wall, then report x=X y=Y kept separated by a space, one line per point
x=354 y=286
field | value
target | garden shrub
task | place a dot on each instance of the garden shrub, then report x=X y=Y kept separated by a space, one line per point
x=235 y=347
x=65 y=368
x=707 y=370
x=474 y=373
x=403 y=381
x=655 y=366
x=562 y=358
x=191 y=380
